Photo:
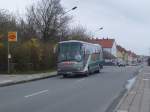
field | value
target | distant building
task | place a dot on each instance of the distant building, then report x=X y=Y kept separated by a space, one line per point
x=119 y=52
x=122 y=54
x=109 y=50
x=107 y=44
x=132 y=58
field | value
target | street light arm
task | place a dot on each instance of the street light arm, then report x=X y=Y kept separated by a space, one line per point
x=99 y=29
x=74 y=8
x=69 y=10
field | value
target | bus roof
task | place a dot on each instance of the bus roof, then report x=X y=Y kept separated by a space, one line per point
x=80 y=42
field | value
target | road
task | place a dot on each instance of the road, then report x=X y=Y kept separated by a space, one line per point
x=83 y=94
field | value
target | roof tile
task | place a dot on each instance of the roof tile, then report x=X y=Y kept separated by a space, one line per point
x=105 y=43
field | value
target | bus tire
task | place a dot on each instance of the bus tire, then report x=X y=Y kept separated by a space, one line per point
x=101 y=66
x=64 y=76
x=87 y=73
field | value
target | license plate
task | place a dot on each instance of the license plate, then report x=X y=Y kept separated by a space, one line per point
x=69 y=72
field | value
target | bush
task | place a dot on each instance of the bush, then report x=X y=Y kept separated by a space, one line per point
x=3 y=59
x=33 y=55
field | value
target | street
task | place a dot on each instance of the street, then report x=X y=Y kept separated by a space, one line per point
x=76 y=94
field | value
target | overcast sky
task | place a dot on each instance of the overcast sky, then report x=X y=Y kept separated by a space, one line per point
x=128 y=21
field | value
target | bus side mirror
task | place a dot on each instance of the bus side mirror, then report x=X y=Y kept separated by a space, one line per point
x=83 y=50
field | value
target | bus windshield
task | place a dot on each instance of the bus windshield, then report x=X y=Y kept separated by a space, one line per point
x=70 y=52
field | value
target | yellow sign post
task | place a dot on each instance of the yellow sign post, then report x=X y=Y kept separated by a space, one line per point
x=12 y=36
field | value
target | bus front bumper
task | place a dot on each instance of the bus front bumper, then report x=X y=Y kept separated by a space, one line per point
x=72 y=73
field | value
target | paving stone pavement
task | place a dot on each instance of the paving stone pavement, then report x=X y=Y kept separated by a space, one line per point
x=138 y=98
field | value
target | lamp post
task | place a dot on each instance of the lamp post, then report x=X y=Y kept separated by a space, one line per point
x=66 y=13
x=99 y=29
x=69 y=11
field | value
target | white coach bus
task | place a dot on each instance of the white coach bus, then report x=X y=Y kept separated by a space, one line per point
x=79 y=58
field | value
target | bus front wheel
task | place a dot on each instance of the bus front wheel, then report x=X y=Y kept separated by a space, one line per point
x=88 y=72
x=64 y=76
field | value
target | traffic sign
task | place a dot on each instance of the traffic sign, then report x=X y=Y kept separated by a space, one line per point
x=12 y=36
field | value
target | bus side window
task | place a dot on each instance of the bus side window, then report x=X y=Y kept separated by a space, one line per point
x=86 y=53
x=83 y=50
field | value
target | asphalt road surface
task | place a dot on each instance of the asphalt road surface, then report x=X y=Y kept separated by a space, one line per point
x=78 y=94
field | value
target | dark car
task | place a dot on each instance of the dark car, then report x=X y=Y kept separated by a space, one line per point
x=148 y=61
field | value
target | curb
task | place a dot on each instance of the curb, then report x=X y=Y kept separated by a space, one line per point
x=127 y=92
x=27 y=80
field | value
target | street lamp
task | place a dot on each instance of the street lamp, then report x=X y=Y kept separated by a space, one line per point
x=99 y=29
x=75 y=7
x=70 y=10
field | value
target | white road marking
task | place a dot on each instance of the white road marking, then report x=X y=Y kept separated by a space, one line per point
x=146 y=79
x=122 y=111
x=37 y=93
x=132 y=92
x=5 y=81
x=80 y=80
x=147 y=73
x=140 y=70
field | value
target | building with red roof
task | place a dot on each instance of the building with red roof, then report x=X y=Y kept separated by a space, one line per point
x=122 y=54
x=107 y=44
x=132 y=57
x=117 y=51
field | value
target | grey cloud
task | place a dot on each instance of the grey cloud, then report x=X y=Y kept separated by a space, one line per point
x=128 y=21
x=125 y=20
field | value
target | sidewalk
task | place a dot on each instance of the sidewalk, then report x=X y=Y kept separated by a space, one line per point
x=138 y=98
x=6 y=80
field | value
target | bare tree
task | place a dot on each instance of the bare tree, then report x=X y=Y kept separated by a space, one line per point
x=79 y=33
x=7 y=21
x=46 y=18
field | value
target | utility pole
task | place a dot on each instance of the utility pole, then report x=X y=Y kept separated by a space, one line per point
x=99 y=29
x=9 y=56
x=12 y=37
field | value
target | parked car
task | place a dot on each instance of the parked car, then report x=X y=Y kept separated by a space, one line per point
x=148 y=61
x=133 y=64
x=121 y=63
